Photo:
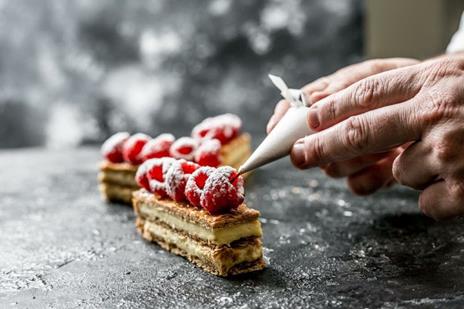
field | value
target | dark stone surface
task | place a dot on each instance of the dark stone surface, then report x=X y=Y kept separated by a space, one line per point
x=61 y=247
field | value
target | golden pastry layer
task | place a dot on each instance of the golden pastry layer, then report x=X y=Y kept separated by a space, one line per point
x=121 y=176
x=236 y=151
x=116 y=193
x=223 y=245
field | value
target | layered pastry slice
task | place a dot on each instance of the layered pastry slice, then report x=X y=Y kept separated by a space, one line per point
x=214 y=142
x=198 y=213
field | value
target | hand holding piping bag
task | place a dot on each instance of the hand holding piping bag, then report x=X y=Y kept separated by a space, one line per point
x=290 y=128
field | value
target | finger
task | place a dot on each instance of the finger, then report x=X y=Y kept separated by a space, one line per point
x=335 y=85
x=443 y=199
x=350 y=167
x=318 y=95
x=317 y=85
x=279 y=111
x=416 y=167
x=372 y=132
x=372 y=178
x=346 y=76
x=373 y=92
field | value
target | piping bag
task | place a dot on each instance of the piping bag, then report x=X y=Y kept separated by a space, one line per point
x=290 y=128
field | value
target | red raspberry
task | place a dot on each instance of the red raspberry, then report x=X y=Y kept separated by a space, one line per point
x=156 y=175
x=176 y=178
x=158 y=147
x=196 y=183
x=208 y=153
x=223 y=127
x=184 y=148
x=112 y=147
x=228 y=127
x=133 y=146
x=141 y=175
x=223 y=191
x=205 y=129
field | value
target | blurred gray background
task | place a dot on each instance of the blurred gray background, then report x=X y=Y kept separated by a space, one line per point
x=73 y=72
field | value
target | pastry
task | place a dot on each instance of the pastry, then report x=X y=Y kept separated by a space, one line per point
x=198 y=213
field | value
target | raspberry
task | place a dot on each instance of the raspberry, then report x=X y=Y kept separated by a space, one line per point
x=229 y=127
x=184 y=148
x=223 y=127
x=220 y=195
x=156 y=174
x=208 y=153
x=176 y=178
x=141 y=175
x=196 y=183
x=133 y=146
x=158 y=147
x=112 y=147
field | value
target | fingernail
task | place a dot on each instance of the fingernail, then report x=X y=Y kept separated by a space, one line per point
x=298 y=155
x=313 y=119
x=306 y=99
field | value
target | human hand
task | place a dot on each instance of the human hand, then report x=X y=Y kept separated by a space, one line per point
x=420 y=106
x=339 y=80
x=365 y=174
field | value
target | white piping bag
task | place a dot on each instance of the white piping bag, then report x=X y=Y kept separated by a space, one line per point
x=290 y=128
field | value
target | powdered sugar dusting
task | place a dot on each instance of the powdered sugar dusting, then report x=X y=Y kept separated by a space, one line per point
x=146 y=175
x=208 y=152
x=132 y=148
x=223 y=127
x=141 y=136
x=115 y=142
x=167 y=162
x=217 y=190
x=219 y=194
x=156 y=186
x=143 y=168
x=176 y=178
x=193 y=190
x=158 y=147
x=184 y=143
x=210 y=146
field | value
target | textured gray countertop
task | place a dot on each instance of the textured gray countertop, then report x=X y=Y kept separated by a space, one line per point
x=62 y=247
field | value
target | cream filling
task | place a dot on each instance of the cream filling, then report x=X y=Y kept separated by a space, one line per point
x=194 y=248
x=218 y=236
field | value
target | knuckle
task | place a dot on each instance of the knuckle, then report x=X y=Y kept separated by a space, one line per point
x=307 y=91
x=315 y=149
x=446 y=149
x=436 y=70
x=438 y=106
x=376 y=65
x=365 y=92
x=329 y=110
x=456 y=190
x=356 y=135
